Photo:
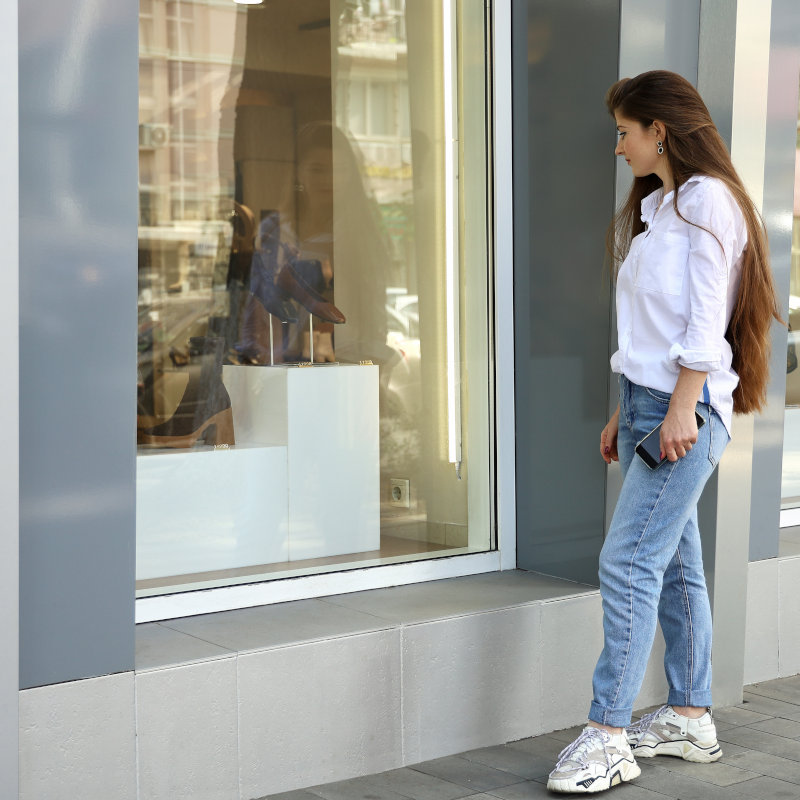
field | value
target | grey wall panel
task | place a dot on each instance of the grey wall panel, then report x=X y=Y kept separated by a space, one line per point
x=659 y=34
x=715 y=61
x=565 y=56
x=656 y=34
x=784 y=78
x=78 y=213
x=9 y=406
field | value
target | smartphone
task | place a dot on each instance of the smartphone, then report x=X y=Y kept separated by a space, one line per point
x=649 y=449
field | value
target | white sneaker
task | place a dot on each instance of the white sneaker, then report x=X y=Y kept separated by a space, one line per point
x=666 y=733
x=595 y=761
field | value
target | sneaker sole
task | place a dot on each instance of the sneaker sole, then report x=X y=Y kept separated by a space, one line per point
x=685 y=750
x=621 y=772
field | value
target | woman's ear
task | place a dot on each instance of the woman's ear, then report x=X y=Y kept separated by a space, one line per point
x=660 y=129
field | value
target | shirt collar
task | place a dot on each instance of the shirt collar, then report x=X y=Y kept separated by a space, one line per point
x=652 y=202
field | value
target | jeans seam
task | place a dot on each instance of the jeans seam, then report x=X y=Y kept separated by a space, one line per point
x=663 y=400
x=711 y=441
x=689 y=683
x=630 y=586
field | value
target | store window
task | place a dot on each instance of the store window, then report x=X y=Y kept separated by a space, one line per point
x=314 y=385
x=790 y=484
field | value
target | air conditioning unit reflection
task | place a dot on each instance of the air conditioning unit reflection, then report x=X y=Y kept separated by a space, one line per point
x=152 y=135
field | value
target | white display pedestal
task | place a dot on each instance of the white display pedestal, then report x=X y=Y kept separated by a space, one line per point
x=198 y=511
x=327 y=418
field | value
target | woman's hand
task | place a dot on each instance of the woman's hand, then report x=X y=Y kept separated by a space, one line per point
x=679 y=432
x=608 y=439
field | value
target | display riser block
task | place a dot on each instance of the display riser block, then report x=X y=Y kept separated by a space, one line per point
x=200 y=511
x=327 y=417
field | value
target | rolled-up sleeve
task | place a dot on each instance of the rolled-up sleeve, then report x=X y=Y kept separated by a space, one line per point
x=708 y=272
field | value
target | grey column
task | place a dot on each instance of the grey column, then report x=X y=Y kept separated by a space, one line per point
x=78 y=263
x=9 y=407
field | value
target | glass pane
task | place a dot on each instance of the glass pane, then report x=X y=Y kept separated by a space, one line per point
x=790 y=486
x=304 y=405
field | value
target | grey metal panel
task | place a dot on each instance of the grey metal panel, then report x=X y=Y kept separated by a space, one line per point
x=716 y=60
x=9 y=406
x=784 y=78
x=78 y=178
x=656 y=34
x=659 y=34
x=565 y=56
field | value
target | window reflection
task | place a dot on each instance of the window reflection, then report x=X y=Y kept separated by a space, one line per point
x=291 y=207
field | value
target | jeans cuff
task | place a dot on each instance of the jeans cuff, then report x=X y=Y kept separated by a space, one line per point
x=695 y=697
x=615 y=717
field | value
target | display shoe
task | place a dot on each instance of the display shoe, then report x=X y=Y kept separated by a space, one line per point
x=594 y=762
x=204 y=411
x=293 y=284
x=181 y=430
x=262 y=286
x=664 y=732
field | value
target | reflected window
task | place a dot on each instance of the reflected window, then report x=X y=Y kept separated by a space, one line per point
x=303 y=401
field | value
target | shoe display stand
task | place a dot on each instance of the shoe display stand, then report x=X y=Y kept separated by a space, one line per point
x=327 y=418
x=302 y=480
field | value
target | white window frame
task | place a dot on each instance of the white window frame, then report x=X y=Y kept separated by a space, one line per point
x=355 y=579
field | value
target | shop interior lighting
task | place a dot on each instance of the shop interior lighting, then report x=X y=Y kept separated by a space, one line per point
x=451 y=236
x=248 y=2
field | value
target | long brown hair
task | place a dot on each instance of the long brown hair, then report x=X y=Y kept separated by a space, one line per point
x=693 y=146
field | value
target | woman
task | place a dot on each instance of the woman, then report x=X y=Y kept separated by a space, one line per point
x=695 y=301
x=324 y=238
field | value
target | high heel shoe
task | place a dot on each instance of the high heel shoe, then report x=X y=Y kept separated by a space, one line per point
x=204 y=411
x=179 y=431
x=290 y=280
x=262 y=286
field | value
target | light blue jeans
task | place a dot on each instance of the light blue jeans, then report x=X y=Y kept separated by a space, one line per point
x=651 y=565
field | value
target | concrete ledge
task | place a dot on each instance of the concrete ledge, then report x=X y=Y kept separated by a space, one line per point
x=266 y=700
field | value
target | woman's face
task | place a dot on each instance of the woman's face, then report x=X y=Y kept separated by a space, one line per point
x=315 y=173
x=637 y=145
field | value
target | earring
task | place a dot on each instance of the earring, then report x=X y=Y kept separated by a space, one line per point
x=660 y=146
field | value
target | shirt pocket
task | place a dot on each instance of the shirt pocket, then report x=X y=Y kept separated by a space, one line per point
x=662 y=263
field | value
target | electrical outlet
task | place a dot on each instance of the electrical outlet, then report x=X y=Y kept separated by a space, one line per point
x=400 y=492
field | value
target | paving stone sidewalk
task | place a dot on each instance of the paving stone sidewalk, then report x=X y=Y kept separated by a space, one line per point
x=761 y=761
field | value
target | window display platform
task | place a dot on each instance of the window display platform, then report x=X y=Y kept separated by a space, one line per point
x=210 y=509
x=301 y=482
x=327 y=417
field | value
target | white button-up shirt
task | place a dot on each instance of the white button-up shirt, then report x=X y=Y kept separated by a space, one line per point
x=676 y=291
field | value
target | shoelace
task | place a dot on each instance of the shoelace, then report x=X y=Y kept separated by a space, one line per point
x=577 y=751
x=644 y=723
